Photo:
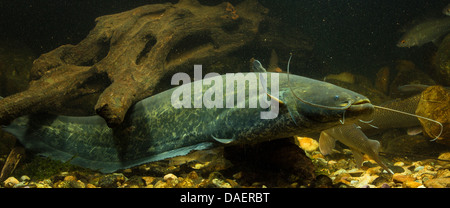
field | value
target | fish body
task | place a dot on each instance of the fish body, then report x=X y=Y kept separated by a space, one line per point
x=446 y=10
x=154 y=130
x=383 y=119
x=355 y=139
x=425 y=32
x=354 y=135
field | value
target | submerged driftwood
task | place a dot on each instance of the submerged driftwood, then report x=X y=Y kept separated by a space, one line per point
x=127 y=54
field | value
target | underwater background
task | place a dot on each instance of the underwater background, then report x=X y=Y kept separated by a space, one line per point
x=357 y=34
x=358 y=38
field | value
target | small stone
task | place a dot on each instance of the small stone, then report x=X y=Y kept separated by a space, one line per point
x=128 y=170
x=385 y=185
x=444 y=156
x=170 y=176
x=10 y=182
x=161 y=184
x=237 y=175
x=192 y=175
x=111 y=180
x=220 y=183
x=418 y=168
x=89 y=185
x=396 y=169
x=374 y=170
x=399 y=164
x=438 y=183
x=412 y=184
x=198 y=166
x=171 y=179
x=398 y=178
x=70 y=178
x=308 y=144
x=148 y=180
x=24 y=178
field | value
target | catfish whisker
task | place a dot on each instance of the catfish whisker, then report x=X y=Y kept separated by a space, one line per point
x=417 y=116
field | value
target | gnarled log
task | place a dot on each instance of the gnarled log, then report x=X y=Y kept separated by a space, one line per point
x=134 y=50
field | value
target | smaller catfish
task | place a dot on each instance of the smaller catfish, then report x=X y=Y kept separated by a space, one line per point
x=352 y=136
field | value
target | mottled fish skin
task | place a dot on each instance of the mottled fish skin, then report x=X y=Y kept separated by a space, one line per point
x=355 y=139
x=154 y=130
x=425 y=32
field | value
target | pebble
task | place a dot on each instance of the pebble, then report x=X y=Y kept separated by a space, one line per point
x=444 y=156
x=70 y=178
x=308 y=144
x=24 y=178
x=148 y=180
x=418 y=168
x=10 y=182
x=399 y=178
x=170 y=177
x=438 y=183
x=399 y=164
x=412 y=184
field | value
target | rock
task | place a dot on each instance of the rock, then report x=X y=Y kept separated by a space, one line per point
x=399 y=164
x=407 y=73
x=113 y=180
x=307 y=144
x=70 y=178
x=148 y=180
x=399 y=178
x=24 y=178
x=220 y=183
x=276 y=160
x=438 y=183
x=10 y=182
x=435 y=104
x=171 y=179
x=412 y=184
x=382 y=80
x=441 y=62
x=322 y=181
x=69 y=184
x=444 y=156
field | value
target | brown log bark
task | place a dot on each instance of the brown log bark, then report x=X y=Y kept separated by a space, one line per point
x=134 y=50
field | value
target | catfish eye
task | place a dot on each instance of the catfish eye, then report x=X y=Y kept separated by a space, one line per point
x=336 y=97
x=403 y=41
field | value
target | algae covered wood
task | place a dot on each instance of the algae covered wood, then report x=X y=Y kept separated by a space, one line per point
x=126 y=55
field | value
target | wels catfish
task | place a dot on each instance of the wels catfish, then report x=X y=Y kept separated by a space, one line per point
x=154 y=129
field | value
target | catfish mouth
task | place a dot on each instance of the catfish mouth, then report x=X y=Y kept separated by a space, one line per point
x=360 y=107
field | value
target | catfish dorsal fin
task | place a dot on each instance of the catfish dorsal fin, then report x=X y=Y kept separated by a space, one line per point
x=257 y=67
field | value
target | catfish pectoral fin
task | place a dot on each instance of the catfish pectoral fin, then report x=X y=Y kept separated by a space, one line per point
x=326 y=143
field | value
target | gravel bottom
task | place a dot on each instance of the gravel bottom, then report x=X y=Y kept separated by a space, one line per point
x=335 y=171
